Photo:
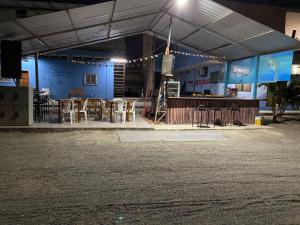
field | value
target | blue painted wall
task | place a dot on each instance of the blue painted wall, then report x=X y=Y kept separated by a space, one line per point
x=61 y=76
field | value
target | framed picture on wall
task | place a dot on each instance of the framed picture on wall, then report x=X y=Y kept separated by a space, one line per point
x=90 y=79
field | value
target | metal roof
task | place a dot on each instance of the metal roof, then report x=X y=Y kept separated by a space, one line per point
x=201 y=25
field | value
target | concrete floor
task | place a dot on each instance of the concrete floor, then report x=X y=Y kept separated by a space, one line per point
x=98 y=177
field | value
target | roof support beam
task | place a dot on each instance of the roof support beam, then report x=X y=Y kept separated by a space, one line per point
x=31 y=33
x=111 y=18
x=253 y=51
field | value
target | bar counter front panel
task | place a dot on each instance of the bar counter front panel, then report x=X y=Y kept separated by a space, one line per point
x=180 y=110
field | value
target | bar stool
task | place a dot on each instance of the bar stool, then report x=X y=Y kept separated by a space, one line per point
x=200 y=110
x=218 y=121
x=233 y=110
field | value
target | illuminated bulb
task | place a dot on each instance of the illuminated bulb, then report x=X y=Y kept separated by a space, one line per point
x=118 y=60
x=181 y=2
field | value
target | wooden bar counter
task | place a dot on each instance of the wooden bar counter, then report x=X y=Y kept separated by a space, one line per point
x=180 y=110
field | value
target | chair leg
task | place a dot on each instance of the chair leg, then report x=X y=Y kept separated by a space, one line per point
x=133 y=116
x=85 y=116
x=124 y=117
x=71 y=117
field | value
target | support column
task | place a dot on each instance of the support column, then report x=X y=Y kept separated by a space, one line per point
x=149 y=64
x=256 y=77
x=226 y=79
x=36 y=59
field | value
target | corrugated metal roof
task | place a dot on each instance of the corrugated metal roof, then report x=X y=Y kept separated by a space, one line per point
x=130 y=8
x=238 y=27
x=60 y=40
x=232 y=52
x=89 y=15
x=205 y=41
x=201 y=12
x=47 y=23
x=179 y=28
x=11 y=31
x=200 y=24
x=27 y=46
x=93 y=33
x=137 y=24
x=270 y=41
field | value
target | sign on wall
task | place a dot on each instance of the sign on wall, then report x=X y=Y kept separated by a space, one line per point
x=242 y=71
x=275 y=67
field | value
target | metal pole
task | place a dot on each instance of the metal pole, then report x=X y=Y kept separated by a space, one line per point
x=169 y=37
x=36 y=58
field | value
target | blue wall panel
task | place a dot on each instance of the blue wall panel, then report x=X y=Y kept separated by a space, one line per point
x=61 y=76
x=275 y=67
x=242 y=71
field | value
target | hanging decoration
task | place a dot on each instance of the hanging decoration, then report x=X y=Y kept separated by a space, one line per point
x=141 y=60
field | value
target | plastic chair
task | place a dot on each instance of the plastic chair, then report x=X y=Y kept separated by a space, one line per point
x=121 y=108
x=104 y=109
x=53 y=105
x=84 y=109
x=132 y=111
x=68 y=108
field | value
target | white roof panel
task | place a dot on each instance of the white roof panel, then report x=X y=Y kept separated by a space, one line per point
x=130 y=8
x=132 y=25
x=270 y=41
x=47 y=23
x=11 y=31
x=232 y=52
x=238 y=27
x=61 y=40
x=93 y=33
x=27 y=46
x=90 y=15
x=205 y=41
x=201 y=12
x=179 y=28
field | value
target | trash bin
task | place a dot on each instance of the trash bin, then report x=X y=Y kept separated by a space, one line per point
x=259 y=120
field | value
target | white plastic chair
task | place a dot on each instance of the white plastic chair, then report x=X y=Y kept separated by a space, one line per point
x=53 y=106
x=68 y=108
x=132 y=111
x=121 y=108
x=84 y=109
x=104 y=109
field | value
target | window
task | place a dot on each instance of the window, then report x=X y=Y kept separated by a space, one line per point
x=244 y=87
x=90 y=79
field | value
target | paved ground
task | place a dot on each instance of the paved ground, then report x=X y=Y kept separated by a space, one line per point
x=86 y=178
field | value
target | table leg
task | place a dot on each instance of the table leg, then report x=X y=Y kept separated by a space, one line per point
x=59 y=111
x=111 y=113
x=127 y=112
